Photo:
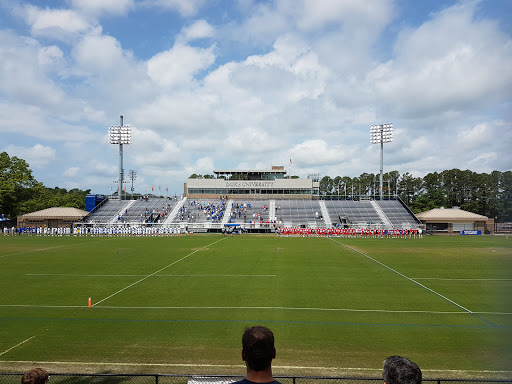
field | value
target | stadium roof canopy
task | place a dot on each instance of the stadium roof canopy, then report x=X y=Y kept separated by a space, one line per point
x=451 y=214
x=275 y=169
x=65 y=213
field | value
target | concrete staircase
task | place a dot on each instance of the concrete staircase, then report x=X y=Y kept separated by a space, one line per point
x=325 y=213
x=121 y=211
x=175 y=210
x=382 y=216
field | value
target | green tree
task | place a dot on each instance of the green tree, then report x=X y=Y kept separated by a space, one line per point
x=15 y=178
x=365 y=183
x=326 y=186
x=409 y=187
x=433 y=195
x=505 y=197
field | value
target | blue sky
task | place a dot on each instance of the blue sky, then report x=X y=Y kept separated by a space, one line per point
x=210 y=84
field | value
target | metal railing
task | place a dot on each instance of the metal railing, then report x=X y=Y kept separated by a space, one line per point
x=76 y=378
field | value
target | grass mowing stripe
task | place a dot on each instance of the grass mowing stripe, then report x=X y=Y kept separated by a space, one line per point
x=205 y=275
x=253 y=321
x=23 y=342
x=245 y=308
x=45 y=249
x=259 y=308
x=154 y=273
x=414 y=281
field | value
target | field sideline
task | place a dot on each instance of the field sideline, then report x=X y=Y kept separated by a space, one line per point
x=337 y=306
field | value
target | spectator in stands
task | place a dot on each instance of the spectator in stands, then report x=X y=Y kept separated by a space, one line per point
x=35 y=376
x=401 y=370
x=258 y=351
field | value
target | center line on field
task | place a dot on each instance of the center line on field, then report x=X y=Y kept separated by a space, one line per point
x=205 y=275
x=154 y=273
x=415 y=282
x=17 y=345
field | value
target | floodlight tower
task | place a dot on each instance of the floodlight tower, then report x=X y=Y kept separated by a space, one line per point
x=380 y=134
x=120 y=134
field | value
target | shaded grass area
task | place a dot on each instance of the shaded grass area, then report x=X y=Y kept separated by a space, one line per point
x=328 y=305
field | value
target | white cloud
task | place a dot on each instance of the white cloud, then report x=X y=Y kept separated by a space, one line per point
x=200 y=29
x=99 y=7
x=179 y=64
x=99 y=54
x=251 y=140
x=369 y=14
x=476 y=136
x=289 y=73
x=317 y=152
x=71 y=172
x=162 y=150
x=58 y=24
x=202 y=166
x=50 y=57
x=185 y=8
x=37 y=122
x=451 y=62
x=20 y=75
x=38 y=156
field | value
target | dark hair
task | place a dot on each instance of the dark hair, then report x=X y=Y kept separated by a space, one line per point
x=35 y=376
x=401 y=370
x=258 y=347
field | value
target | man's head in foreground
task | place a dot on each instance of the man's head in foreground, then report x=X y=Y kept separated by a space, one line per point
x=258 y=349
x=35 y=376
x=401 y=370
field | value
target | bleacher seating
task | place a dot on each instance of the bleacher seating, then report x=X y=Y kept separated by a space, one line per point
x=355 y=211
x=107 y=211
x=396 y=213
x=298 y=212
x=142 y=209
x=248 y=211
x=199 y=210
x=285 y=212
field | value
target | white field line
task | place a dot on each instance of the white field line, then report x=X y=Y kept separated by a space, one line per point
x=79 y=275
x=461 y=279
x=414 y=281
x=256 y=308
x=17 y=345
x=230 y=366
x=154 y=273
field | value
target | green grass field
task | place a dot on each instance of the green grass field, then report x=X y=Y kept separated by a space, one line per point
x=180 y=304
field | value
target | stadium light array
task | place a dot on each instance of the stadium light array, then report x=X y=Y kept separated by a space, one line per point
x=120 y=135
x=380 y=134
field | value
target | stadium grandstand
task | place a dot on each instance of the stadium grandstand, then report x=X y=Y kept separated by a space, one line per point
x=255 y=200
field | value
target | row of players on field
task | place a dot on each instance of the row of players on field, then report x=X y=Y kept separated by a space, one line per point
x=351 y=232
x=99 y=231
x=165 y=231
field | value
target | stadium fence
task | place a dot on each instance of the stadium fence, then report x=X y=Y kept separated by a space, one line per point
x=76 y=378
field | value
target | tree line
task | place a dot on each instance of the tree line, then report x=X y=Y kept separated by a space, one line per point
x=488 y=194
x=21 y=193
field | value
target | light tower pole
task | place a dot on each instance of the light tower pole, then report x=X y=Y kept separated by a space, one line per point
x=380 y=134
x=120 y=134
x=132 y=174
